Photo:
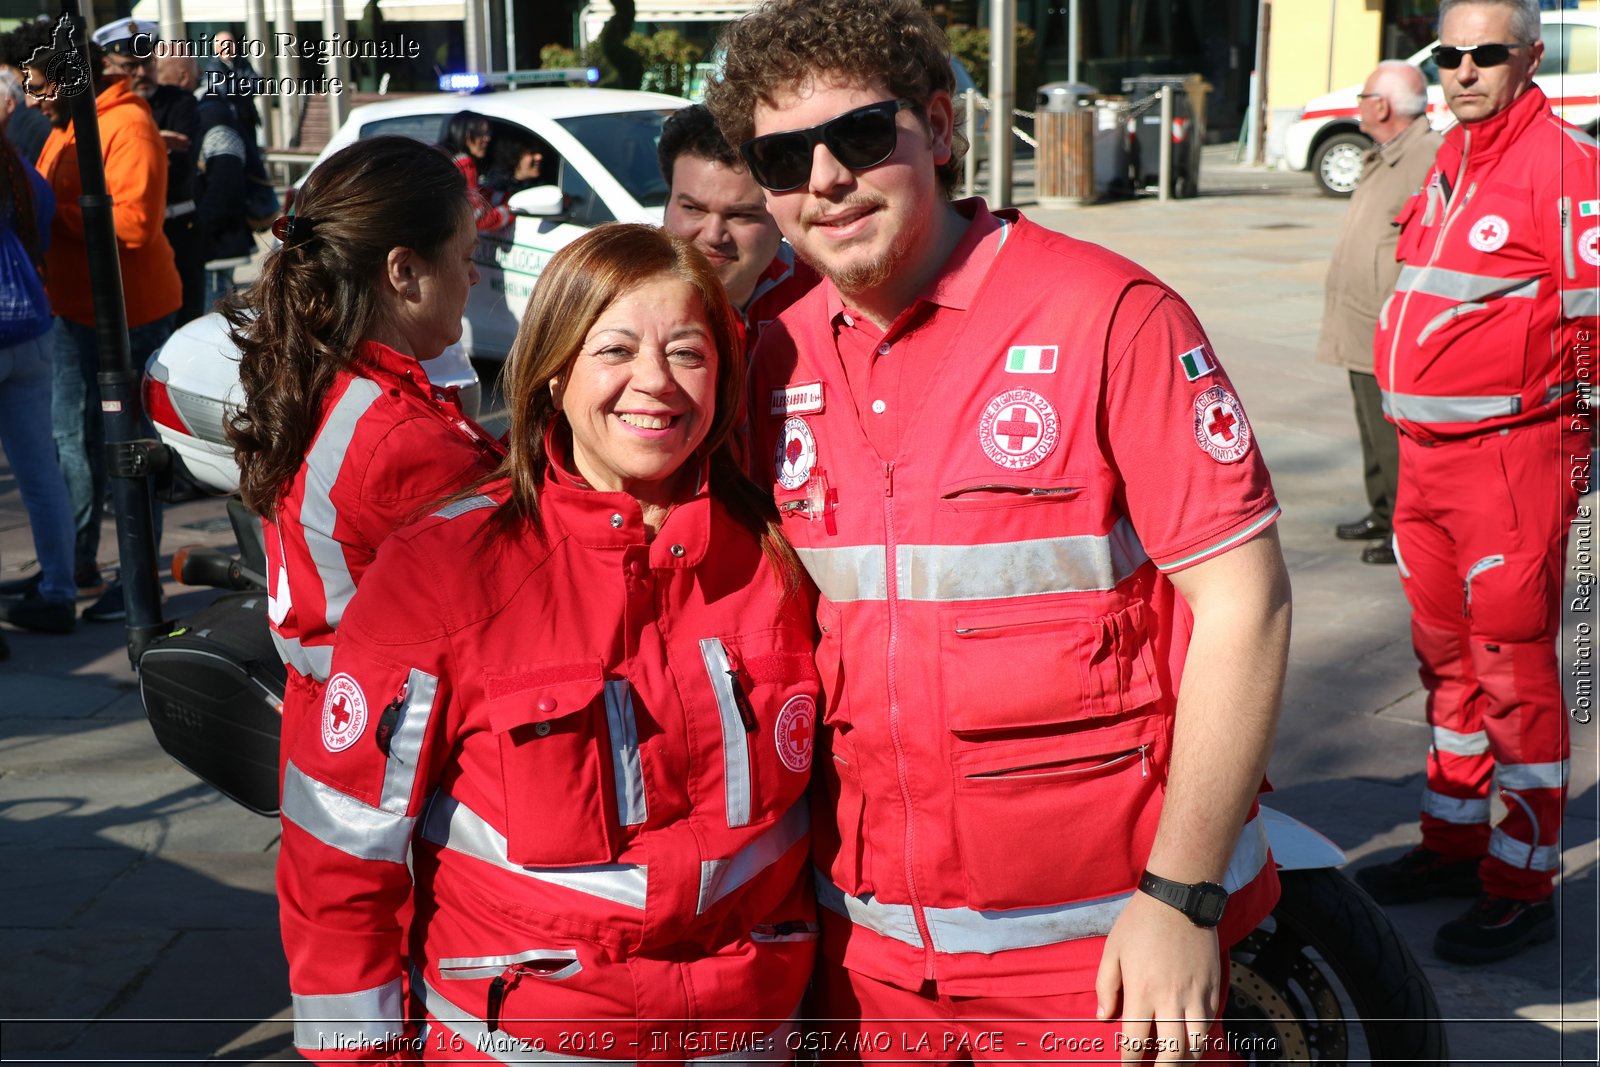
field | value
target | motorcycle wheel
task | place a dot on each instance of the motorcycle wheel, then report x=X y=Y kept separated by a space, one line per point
x=1326 y=979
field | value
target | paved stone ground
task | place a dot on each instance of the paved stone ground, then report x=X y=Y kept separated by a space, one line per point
x=137 y=907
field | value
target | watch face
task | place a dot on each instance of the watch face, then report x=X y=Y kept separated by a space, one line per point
x=1208 y=905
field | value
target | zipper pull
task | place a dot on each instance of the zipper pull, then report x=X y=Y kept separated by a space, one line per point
x=888 y=479
x=383 y=734
x=747 y=714
x=497 y=996
x=1144 y=769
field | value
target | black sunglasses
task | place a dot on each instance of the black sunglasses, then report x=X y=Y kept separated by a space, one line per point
x=1483 y=55
x=858 y=139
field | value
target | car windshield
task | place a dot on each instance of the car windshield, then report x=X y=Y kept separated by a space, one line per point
x=625 y=144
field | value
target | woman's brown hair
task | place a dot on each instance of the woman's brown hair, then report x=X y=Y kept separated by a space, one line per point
x=576 y=287
x=318 y=295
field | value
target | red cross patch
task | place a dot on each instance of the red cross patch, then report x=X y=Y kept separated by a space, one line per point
x=796 y=454
x=1220 y=428
x=1018 y=429
x=1489 y=233
x=1589 y=246
x=795 y=732
x=344 y=713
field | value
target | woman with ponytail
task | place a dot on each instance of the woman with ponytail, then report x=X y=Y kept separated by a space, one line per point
x=342 y=438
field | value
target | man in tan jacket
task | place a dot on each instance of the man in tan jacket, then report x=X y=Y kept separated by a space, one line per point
x=1363 y=273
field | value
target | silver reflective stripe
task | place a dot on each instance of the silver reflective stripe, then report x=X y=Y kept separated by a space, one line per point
x=405 y=743
x=1459 y=285
x=461 y=507
x=1484 y=564
x=629 y=772
x=1072 y=564
x=1532 y=775
x=313 y=661
x=846 y=574
x=1459 y=744
x=895 y=921
x=341 y=821
x=735 y=740
x=1556 y=392
x=1564 y=207
x=1580 y=303
x=1468 y=812
x=317 y=513
x=1399 y=560
x=452 y=825
x=466 y=967
x=1577 y=135
x=349 y=1020
x=1449 y=314
x=1383 y=312
x=1227 y=542
x=718 y=878
x=1502 y=846
x=1423 y=409
x=988 y=932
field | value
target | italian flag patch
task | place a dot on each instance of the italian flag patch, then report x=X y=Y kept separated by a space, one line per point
x=1588 y=207
x=1031 y=359
x=1196 y=363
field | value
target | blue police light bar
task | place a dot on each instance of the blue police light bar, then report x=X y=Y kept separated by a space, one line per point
x=471 y=83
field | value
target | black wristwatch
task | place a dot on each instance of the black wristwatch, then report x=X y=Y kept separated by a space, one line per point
x=1201 y=903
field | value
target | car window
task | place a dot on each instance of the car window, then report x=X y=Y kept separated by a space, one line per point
x=1580 y=51
x=625 y=145
x=428 y=129
x=584 y=208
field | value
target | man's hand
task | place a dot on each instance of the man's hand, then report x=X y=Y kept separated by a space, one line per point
x=175 y=141
x=1166 y=975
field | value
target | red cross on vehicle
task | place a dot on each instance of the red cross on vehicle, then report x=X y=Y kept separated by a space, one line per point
x=1017 y=429
x=1221 y=423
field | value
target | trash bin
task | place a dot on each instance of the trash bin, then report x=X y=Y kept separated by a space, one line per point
x=1188 y=130
x=1065 y=125
x=1112 y=176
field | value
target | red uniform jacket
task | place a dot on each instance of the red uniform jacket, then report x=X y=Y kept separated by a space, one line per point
x=592 y=750
x=999 y=647
x=1496 y=305
x=785 y=280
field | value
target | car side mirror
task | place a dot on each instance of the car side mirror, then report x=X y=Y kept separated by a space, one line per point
x=541 y=201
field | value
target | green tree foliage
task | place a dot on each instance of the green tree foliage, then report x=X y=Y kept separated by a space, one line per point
x=669 y=60
x=970 y=46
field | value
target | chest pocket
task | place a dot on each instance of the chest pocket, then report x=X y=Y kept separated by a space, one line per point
x=554 y=739
x=767 y=695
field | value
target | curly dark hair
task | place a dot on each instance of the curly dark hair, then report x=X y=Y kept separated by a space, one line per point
x=693 y=130
x=316 y=299
x=785 y=44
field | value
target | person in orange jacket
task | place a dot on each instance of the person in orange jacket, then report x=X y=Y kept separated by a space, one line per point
x=136 y=180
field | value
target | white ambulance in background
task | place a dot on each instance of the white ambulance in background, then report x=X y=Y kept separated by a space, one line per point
x=1327 y=139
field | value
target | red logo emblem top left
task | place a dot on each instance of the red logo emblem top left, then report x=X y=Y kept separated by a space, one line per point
x=344 y=713
x=796 y=732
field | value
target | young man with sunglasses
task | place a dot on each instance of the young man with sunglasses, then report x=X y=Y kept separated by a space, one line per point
x=1480 y=355
x=713 y=201
x=1030 y=500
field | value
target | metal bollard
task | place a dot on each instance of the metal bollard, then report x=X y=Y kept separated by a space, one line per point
x=1165 y=173
x=970 y=164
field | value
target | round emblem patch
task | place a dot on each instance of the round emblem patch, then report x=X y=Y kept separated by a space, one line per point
x=796 y=455
x=1220 y=428
x=1589 y=246
x=344 y=713
x=1018 y=428
x=796 y=729
x=1489 y=233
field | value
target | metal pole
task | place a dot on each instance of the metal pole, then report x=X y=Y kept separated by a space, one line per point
x=1073 y=45
x=1258 y=114
x=171 y=20
x=289 y=104
x=970 y=164
x=472 y=29
x=511 y=35
x=1165 y=133
x=333 y=23
x=1002 y=97
x=255 y=29
x=129 y=452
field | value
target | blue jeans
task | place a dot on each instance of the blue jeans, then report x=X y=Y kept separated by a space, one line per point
x=79 y=430
x=25 y=435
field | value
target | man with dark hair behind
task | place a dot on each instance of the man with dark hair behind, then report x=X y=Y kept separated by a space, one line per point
x=1054 y=616
x=713 y=201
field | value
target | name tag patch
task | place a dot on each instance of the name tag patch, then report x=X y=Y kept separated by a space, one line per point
x=797 y=399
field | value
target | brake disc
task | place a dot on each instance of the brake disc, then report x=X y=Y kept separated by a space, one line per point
x=1265 y=1024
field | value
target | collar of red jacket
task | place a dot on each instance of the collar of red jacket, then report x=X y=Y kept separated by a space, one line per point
x=374 y=356
x=1490 y=138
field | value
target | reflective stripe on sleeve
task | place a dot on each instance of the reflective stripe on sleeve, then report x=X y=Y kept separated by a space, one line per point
x=341 y=821
x=1459 y=744
x=452 y=825
x=370 y=1018
x=461 y=507
x=1580 y=303
x=1462 y=286
x=1504 y=847
x=405 y=743
x=718 y=878
x=318 y=515
x=313 y=661
x=625 y=764
x=735 y=739
x=1462 y=812
x=1532 y=775
x=989 y=932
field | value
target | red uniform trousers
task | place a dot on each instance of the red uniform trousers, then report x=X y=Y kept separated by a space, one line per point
x=1481 y=531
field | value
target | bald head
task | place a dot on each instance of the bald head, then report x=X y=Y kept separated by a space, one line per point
x=1394 y=95
x=174 y=69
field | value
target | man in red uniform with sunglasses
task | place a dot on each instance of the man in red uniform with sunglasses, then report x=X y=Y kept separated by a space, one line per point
x=1480 y=355
x=1032 y=502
